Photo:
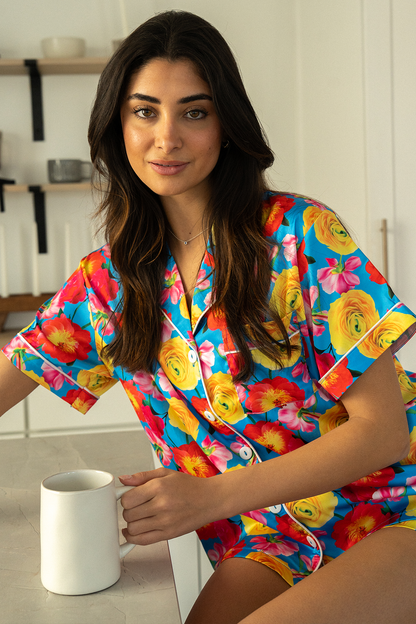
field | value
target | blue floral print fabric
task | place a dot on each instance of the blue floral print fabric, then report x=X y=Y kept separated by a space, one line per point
x=340 y=315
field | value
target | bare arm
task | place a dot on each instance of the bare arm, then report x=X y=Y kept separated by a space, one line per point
x=14 y=385
x=376 y=435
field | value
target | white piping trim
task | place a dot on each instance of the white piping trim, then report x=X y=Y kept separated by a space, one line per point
x=252 y=348
x=176 y=329
x=315 y=539
x=360 y=341
x=73 y=381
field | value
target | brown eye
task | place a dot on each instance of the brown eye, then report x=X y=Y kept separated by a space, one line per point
x=196 y=114
x=144 y=113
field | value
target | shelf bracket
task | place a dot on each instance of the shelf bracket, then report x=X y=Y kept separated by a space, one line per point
x=36 y=94
x=40 y=216
x=3 y=181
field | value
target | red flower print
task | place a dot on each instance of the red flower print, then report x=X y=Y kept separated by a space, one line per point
x=193 y=461
x=375 y=275
x=93 y=262
x=216 y=319
x=364 y=488
x=105 y=288
x=302 y=262
x=74 y=290
x=270 y=393
x=278 y=208
x=273 y=436
x=64 y=340
x=338 y=380
x=358 y=523
x=81 y=400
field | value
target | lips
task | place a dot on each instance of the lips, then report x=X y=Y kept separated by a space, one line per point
x=168 y=167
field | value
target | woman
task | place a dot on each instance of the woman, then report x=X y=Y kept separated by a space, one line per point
x=236 y=319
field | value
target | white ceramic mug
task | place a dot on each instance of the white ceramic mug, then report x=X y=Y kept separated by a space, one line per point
x=80 y=550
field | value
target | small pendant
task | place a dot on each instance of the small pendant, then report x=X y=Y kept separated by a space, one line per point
x=185 y=242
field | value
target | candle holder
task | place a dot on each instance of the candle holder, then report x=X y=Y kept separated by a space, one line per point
x=20 y=303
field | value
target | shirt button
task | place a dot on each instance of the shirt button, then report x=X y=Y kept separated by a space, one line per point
x=209 y=416
x=275 y=509
x=192 y=357
x=245 y=452
x=311 y=541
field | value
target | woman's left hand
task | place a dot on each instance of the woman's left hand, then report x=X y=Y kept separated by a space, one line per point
x=164 y=504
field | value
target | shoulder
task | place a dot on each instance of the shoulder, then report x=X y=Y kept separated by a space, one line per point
x=290 y=214
x=100 y=275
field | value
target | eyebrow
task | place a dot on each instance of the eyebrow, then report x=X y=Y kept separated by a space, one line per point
x=184 y=100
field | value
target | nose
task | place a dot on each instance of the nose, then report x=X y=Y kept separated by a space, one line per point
x=167 y=137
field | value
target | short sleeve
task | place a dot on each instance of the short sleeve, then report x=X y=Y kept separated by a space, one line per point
x=60 y=349
x=351 y=316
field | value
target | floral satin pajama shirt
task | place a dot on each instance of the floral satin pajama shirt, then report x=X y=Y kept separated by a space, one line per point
x=339 y=312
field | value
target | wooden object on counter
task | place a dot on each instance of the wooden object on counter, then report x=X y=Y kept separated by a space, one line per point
x=20 y=303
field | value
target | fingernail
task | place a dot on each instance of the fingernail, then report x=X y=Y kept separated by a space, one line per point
x=125 y=477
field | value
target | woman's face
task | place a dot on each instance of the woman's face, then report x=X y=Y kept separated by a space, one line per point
x=171 y=130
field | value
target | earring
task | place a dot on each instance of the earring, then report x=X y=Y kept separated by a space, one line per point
x=226 y=144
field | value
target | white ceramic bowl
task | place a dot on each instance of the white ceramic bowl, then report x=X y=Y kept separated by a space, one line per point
x=63 y=47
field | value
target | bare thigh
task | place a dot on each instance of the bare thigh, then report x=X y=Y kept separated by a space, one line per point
x=371 y=583
x=237 y=588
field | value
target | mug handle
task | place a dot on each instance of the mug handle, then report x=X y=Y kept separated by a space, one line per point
x=126 y=547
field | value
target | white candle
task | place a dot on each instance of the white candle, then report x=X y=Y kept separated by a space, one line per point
x=35 y=261
x=67 y=250
x=3 y=264
x=124 y=18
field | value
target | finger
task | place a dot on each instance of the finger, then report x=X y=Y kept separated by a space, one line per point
x=144 y=539
x=139 y=478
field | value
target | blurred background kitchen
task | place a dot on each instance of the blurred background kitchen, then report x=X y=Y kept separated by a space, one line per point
x=334 y=84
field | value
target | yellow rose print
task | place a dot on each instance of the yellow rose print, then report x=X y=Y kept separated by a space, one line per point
x=96 y=379
x=39 y=380
x=182 y=418
x=173 y=357
x=350 y=317
x=411 y=508
x=253 y=527
x=314 y=511
x=411 y=458
x=310 y=215
x=287 y=362
x=224 y=397
x=275 y=564
x=331 y=233
x=287 y=295
x=385 y=334
x=332 y=418
x=407 y=387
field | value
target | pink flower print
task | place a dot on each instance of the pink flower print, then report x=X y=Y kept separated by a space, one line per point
x=217 y=553
x=173 y=286
x=201 y=282
x=297 y=417
x=301 y=369
x=167 y=329
x=14 y=351
x=166 y=385
x=315 y=320
x=207 y=358
x=257 y=516
x=54 y=377
x=103 y=316
x=221 y=350
x=208 y=299
x=241 y=391
x=311 y=564
x=339 y=277
x=55 y=306
x=274 y=545
x=218 y=454
x=147 y=384
x=273 y=252
x=411 y=482
x=162 y=450
x=289 y=249
x=393 y=494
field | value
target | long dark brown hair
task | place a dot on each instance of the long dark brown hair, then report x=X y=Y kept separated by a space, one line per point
x=133 y=217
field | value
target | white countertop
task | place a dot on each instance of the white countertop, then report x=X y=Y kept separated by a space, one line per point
x=145 y=593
